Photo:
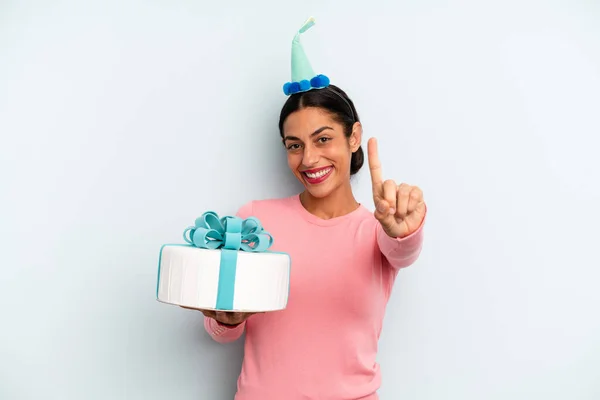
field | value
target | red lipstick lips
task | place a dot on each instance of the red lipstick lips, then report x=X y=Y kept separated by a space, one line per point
x=317 y=175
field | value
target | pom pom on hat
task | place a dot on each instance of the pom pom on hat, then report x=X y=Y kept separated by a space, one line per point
x=319 y=81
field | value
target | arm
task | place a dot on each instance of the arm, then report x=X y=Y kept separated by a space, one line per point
x=227 y=333
x=401 y=252
x=400 y=211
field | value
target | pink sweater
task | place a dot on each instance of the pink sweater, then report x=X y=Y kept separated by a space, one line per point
x=324 y=344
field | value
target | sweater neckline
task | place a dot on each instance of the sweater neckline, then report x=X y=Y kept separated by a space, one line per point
x=320 y=221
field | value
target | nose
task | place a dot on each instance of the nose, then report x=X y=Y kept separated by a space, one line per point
x=310 y=157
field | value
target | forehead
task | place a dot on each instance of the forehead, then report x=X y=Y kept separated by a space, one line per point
x=305 y=121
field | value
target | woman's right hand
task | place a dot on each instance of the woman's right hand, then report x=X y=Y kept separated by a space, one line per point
x=225 y=317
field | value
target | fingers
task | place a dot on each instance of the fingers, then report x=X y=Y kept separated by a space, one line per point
x=408 y=199
x=400 y=200
x=403 y=203
x=414 y=219
x=209 y=313
x=385 y=202
x=420 y=209
x=403 y=196
x=220 y=316
x=415 y=199
x=205 y=312
x=232 y=317
x=224 y=317
x=374 y=166
x=411 y=207
x=400 y=209
x=390 y=196
x=229 y=318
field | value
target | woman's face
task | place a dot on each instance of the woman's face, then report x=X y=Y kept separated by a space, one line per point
x=318 y=152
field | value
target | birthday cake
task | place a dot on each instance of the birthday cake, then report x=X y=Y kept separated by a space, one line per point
x=225 y=265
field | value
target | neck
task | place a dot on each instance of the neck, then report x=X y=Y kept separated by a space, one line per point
x=338 y=203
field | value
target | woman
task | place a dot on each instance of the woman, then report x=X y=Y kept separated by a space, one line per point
x=345 y=260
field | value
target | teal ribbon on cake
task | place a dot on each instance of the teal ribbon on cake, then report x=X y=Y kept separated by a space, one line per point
x=230 y=235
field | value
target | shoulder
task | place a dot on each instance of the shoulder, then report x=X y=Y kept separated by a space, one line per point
x=365 y=217
x=266 y=207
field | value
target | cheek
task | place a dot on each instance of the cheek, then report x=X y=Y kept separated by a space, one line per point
x=293 y=160
x=339 y=154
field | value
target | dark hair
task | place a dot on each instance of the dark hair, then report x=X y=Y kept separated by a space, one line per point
x=337 y=103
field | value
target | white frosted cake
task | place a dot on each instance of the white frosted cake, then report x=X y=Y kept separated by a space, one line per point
x=220 y=270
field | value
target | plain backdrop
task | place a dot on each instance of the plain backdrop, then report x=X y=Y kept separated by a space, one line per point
x=122 y=121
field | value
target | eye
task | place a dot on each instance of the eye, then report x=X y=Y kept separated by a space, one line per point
x=323 y=139
x=293 y=146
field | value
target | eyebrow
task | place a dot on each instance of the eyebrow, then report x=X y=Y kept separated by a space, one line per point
x=315 y=133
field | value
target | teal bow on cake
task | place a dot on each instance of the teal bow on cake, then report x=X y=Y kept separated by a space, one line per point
x=229 y=235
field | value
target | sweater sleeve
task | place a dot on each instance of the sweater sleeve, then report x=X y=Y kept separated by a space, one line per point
x=222 y=333
x=219 y=332
x=401 y=252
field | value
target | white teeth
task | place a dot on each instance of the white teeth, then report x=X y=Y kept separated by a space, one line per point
x=318 y=174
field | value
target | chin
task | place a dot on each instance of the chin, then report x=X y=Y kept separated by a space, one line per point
x=318 y=193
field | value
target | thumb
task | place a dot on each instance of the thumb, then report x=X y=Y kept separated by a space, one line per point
x=383 y=212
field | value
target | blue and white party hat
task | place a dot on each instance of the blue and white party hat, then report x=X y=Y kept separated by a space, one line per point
x=303 y=76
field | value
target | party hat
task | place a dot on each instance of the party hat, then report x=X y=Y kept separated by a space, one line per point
x=303 y=75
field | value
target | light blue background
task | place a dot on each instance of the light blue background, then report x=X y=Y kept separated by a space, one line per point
x=122 y=121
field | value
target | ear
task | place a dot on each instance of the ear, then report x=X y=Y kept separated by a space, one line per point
x=356 y=137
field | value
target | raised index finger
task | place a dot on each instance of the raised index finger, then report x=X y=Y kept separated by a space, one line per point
x=374 y=165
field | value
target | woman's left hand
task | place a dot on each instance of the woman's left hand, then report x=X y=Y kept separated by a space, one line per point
x=400 y=209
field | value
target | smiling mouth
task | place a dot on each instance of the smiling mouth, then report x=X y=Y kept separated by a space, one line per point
x=317 y=176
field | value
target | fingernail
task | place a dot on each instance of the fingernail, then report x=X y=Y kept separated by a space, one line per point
x=392 y=211
x=381 y=207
